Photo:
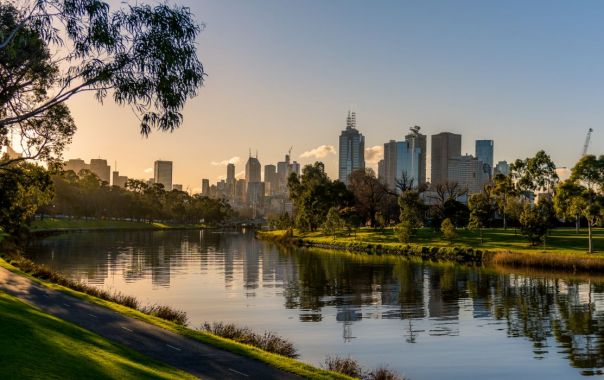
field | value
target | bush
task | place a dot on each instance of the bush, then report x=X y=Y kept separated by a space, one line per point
x=268 y=341
x=352 y=368
x=448 y=230
x=404 y=231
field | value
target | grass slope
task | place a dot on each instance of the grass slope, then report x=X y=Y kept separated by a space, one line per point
x=277 y=361
x=36 y=345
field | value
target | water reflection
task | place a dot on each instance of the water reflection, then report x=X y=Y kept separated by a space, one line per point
x=413 y=308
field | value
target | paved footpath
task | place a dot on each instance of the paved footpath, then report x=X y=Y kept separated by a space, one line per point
x=192 y=356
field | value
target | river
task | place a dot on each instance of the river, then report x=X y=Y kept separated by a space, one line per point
x=424 y=320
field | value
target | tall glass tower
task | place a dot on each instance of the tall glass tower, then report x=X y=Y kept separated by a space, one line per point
x=484 y=153
x=352 y=149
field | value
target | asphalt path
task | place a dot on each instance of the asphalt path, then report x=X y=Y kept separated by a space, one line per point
x=197 y=358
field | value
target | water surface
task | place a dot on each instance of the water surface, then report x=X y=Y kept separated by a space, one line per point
x=427 y=321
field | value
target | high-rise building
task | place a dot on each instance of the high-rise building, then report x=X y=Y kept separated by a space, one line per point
x=177 y=187
x=205 y=187
x=230 y=174
x=101 y=169
x=469 y=172
x=352 y=149
x=76 y=165
x=163 y=173
x=295 y=168
x=484 y=153
x=419 y=141
x=399 y=160
x=253 y=179
x=283 y=171
x=382 y=171
x=271 y=181
x=502 y=167
x=119 y=180
x=445 y=146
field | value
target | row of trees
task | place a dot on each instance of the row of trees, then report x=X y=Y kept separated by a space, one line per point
x=508 y=200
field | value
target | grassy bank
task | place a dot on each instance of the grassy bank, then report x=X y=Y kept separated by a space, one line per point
x=36 y=345
x=564 y=249
x=53 y=224
x=277 y=361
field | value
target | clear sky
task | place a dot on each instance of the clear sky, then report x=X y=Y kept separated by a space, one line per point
x=282 y=73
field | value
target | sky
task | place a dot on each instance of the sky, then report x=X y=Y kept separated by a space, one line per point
x=283 y=74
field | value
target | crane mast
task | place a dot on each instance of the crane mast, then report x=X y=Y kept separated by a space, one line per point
x=587 y=140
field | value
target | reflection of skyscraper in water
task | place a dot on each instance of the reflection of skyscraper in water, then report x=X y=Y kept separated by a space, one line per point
x=250 y=266
x=411 y=292
x=160 y=269
x=443 y=304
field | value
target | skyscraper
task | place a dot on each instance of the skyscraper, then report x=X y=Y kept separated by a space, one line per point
x=484 y=153
x=230 y=181
x=445 y=146
x=162 y=173
x=119 y=180
x=502 y=167
x=205 y=187
x=469 y=172
x=76 y=165
x=101 y=169
x=271 y=181
x=399 y=160
x=421 y=143
x=253 y=180
x=352 y=149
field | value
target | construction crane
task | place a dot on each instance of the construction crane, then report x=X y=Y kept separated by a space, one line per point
x=587 y=140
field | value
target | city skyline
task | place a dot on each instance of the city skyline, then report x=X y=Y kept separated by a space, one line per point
x=411 y=76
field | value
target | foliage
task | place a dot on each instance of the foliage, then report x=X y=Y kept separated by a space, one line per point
x=268 y=341
x=280 y=222
x=535 y=173
x=447 y=228
x=536 y=220
x=482 y=209
x=350 y=367
x=404 y=231
x=144 y=54
x=333 y=222
x=503 y=189
x=445 y=204
x=313 y=194
x=369 y=194
x=86 y=196
x=23 y=188
x=412 y=208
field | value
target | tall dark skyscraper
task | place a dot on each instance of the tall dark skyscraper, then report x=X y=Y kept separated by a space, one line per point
x=445 y=145
x=352 y=149
x=162 y=173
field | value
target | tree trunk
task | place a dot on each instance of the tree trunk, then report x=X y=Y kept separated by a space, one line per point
x=589 y=236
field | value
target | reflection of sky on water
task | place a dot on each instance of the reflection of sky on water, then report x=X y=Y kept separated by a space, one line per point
x=427 y=321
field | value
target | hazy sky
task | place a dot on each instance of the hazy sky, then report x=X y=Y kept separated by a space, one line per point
x=529 y=75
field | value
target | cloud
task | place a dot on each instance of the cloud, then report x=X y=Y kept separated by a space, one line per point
x=232 y=160
x=319 y=152
x=148 y=170
x=373 y=154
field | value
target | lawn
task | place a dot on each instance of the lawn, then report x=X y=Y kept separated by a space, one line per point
x=36 y=345
x=560 y=240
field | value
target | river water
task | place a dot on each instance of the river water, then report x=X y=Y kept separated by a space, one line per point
x=426 y=321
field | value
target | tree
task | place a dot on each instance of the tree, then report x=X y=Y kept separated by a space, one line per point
x=404 y=231
x=535 y=173
x=333 y=222
x=582 y=193
x=412 y=208
x=448 y=230
x=481 y=212
x=503 y=189
x=50 y=50
x=536 y=220
x=368 y=193
x=446 y=205
x=313 y=194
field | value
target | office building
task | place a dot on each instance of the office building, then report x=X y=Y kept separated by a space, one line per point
x=502 y=167
x=352 y=149
x=101 y=169
x=253 y=179
x=205 y=187
x=399 y=161
x=177 y=187
x=163 y=173
x=484 y=153
x=76 y=165
x=271 y=181
x=469 y=172
x=119 y=180
x=419 y=141
x=445 y=146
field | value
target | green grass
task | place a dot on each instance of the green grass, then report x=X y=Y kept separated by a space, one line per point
x=53 y=224
x=561 y=240
x=36 y=345
x=277 y=361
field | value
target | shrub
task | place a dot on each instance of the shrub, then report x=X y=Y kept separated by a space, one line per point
x=268 y=341
x=404 y=231
x=352 y=368
x=448 y=230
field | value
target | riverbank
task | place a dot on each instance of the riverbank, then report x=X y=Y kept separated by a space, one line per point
x=564 y=249
x=273 y=360
x=38 y=345
x=49 y=225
